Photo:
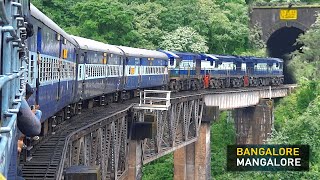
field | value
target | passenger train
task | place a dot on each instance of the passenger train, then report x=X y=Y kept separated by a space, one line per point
x=69 y=72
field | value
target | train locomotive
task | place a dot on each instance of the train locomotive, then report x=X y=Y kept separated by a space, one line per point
x=70 y=72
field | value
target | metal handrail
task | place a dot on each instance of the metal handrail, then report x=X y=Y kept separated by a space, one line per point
x=12 y=32
x=154 y=102
x=5 y=79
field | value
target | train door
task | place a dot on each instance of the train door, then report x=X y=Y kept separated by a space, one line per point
x=83 y=60
x=75 y=72
x=139 y=67
x=39 y=50
x=123 y=84
x=198 y=67
x=59 y=66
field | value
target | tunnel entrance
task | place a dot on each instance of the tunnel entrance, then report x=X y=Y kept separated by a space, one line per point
x=280 y=44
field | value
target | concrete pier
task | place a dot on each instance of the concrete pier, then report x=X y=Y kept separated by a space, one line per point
x=135 y=161
x=254 y=124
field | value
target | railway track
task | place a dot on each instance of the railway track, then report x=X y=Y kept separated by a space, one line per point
x=47 y=154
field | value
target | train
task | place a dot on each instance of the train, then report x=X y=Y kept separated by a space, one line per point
x=69 y=72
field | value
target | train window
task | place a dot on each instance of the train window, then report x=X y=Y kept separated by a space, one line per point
x=54 y=69
x=80 y=72
x=211 y=63
x=32 y=68
x=171 y=61
x=216 y=64
x=58 y=37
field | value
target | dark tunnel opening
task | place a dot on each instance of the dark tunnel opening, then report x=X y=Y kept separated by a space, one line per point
x=280 y=44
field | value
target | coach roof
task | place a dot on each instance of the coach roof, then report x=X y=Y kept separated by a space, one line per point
x=89 y=44
x=136 y=52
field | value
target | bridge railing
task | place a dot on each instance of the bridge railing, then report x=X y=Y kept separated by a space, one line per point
x=154 y=100
x=12 y=38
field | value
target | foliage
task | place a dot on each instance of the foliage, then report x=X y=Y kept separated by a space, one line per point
x=306 y=64
x=159 y=169
x=222 y=134
x=184 y=39
x=144 y=24
x=255 y=37
x=106 y=20
x=288 y=109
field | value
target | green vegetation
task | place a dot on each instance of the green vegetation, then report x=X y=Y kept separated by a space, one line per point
x=159 y=169
x=214 y=26
x=220 y=26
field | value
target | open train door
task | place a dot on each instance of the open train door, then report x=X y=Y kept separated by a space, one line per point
x=38 y=64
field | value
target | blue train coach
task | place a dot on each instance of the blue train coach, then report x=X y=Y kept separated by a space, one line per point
x=143 y=69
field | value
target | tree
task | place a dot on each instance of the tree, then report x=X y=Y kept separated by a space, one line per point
x=104 y=20
x=147 y=24
x=184 y=39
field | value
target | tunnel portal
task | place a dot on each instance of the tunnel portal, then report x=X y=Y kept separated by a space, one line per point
x=280 y=44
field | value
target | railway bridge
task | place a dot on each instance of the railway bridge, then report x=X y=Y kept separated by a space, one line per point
x=129 y=135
